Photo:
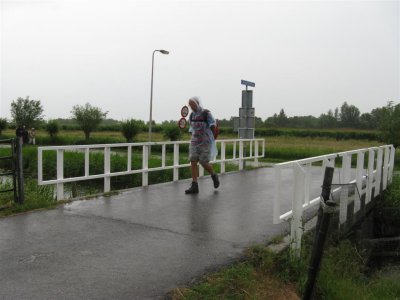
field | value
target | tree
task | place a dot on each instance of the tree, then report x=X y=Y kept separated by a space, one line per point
x=281 y=119
x=377 y=116
x=336 y=115
x=302 y=122
x=130 y=128
x=52 y=128
x=173 y=132
x=328 y=120
x=390 y=123
x=88 y=117
x=367 y=121
x=349 y=115
x=26 y=112
x=3 y=124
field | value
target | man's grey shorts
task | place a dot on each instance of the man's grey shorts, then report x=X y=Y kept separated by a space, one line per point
x=199 y=153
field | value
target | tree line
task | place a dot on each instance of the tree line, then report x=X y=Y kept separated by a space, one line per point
x=347 y=116
x=29 y=113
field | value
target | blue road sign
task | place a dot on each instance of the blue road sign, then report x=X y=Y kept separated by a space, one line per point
x=248 y=83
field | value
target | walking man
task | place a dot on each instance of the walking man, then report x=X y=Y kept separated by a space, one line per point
x=202 y=145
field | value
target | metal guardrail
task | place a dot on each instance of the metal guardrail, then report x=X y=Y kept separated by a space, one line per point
x=12 y=171
x=16 y=170
x=247 y=149
x=370 y=181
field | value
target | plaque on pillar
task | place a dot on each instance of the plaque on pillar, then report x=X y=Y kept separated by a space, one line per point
x=246 y=133
x=250 y=122
x=250 y=112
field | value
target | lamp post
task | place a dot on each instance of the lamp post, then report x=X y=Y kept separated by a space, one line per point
x=151 y=90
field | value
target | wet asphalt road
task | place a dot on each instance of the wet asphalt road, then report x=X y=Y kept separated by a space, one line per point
x=138 y=244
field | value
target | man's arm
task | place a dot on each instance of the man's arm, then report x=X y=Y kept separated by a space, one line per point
x=212 y=127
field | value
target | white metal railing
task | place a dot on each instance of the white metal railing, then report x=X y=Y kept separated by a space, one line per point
x=367 y=180
x=247 y=149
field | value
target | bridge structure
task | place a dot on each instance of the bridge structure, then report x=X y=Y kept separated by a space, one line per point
x=141 y=243
x=360 y=177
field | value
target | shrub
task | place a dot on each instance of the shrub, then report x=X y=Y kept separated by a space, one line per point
x=52 y=128
x=172 y=132
x=130 y=128
x=88 y=117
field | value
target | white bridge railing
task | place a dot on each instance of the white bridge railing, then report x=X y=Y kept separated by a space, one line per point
x=243 y=149
x=369 y=180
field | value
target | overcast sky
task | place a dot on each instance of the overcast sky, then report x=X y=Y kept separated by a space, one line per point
x=304 y=56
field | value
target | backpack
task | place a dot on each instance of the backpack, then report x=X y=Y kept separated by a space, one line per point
x=204 y=119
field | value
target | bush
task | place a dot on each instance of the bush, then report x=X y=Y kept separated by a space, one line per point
x=173 y=132
x=88 y=117
x=52 y=128
x=130 y=128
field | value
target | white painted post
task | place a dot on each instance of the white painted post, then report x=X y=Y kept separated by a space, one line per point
x=326 y=162
x=129 y=163
x=107 y=168
x=251 y=149
x=60 y=174
x=392 y=155
x=307 y=184
x=385 y=168
x=370 y=178
x=263 y=148
x=163 y=155
x=296 y=226
x=145 y=166
x=40 y=166
x=176 y=162
x=277 y=194
x=223 y=157
x=87 y=161
x=240 y=155
x=344 y=193
x=256 y=153
x=359 y=180
x=378 y=173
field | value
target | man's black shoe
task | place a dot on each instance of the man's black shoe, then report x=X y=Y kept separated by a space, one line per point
x=194 y=188
x=215 y=180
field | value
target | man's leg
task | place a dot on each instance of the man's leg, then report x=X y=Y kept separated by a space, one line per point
x=194 y=186
x=207 y=166
x=195 y=170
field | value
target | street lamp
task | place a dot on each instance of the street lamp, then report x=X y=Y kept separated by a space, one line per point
x=151 y=90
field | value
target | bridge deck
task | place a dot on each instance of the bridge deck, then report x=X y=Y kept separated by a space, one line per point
x=138 y=244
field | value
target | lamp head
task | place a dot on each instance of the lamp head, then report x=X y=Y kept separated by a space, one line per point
x=164 y=51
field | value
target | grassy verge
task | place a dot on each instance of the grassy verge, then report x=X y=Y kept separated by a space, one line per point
x=352 y=283
x=262 y=274
x=36 y=197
